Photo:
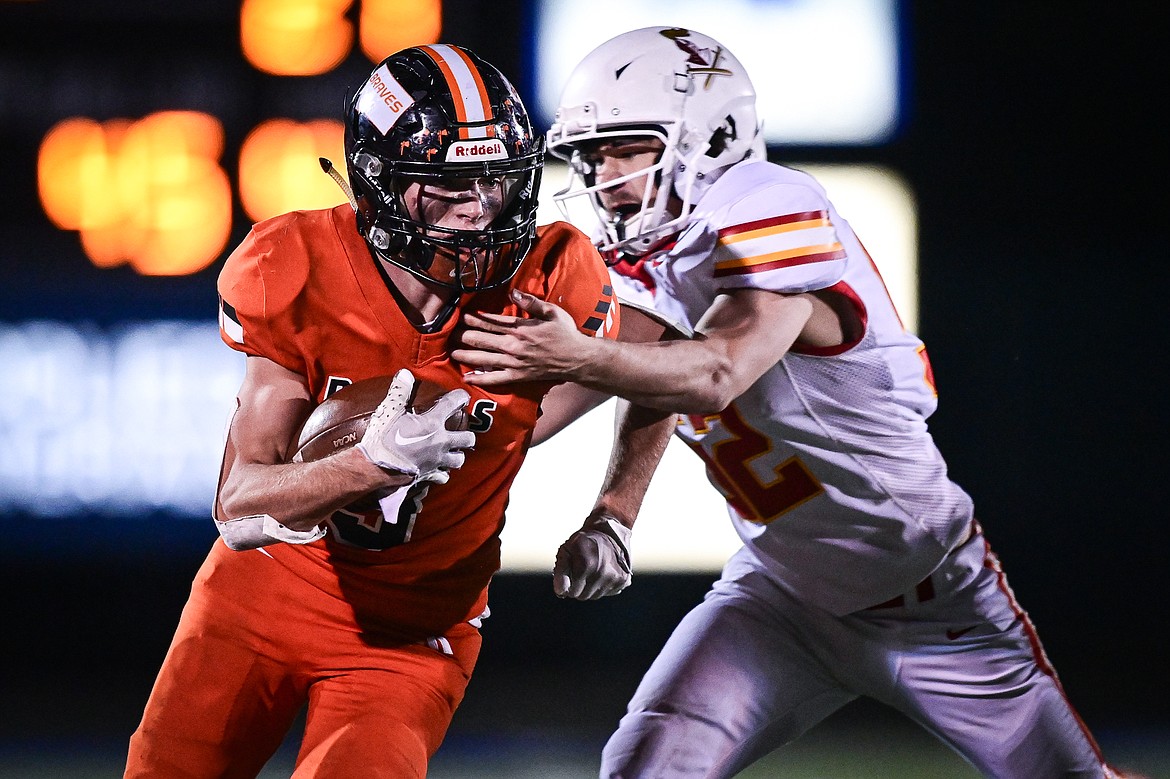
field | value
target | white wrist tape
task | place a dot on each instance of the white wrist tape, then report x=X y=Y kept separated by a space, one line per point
x=595 y=561
x=621 y=536
x=258 y=530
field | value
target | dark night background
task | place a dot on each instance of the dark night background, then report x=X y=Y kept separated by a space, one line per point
x=1034 y=144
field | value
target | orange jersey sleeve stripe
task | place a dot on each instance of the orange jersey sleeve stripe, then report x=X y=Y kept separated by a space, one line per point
x=601 y=321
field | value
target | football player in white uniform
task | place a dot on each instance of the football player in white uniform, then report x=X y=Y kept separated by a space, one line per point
x=863 y=570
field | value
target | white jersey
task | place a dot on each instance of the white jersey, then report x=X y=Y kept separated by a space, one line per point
x=830 y=473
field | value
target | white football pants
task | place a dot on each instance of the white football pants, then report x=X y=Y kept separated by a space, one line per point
x=752 y=668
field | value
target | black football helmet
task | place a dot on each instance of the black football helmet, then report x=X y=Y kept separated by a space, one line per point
x=440 y=112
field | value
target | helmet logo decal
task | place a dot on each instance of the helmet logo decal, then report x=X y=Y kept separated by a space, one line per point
x=467 y=89
x=473 y=151
x=699 y=61
x=383 y=99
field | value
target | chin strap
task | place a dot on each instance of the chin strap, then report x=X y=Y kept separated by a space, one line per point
x=327 y=166
x=436 y=324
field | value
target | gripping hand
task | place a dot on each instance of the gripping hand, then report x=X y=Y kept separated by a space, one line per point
x=418 y=445
x=595 y=561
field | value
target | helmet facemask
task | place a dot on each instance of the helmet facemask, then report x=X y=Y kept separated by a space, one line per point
x=434 y=114
x=633 y=231
x=462 y=259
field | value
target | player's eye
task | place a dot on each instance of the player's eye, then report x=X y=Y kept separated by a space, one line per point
x=452 y=184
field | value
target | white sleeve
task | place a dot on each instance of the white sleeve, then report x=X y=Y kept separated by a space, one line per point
x=633 y=294
x=779 y=238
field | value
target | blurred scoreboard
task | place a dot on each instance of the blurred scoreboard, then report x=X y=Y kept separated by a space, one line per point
x=146 y=163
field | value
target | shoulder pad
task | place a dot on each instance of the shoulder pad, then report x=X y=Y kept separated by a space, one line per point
x=269 y=268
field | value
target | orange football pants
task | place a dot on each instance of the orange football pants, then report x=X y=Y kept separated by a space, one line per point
x=254 y=645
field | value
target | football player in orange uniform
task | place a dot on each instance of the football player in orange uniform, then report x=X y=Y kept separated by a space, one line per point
x=369 y=618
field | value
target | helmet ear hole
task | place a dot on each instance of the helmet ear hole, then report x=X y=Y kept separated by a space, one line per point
x=723 y=135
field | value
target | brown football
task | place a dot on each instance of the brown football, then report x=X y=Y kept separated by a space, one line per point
x=340 y=420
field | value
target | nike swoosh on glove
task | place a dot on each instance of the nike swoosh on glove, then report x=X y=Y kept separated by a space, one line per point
x=595 y=561
x=418 y=445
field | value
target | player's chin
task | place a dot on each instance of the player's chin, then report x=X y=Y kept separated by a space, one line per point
x=474 y=266
x=467 y=259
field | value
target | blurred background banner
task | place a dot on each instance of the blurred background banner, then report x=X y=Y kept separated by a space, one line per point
x=155 y=201
x=825 y=72
x=983 y=154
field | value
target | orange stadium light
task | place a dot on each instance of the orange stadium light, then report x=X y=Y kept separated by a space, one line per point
x=279 y=170
x=147 y=192
x=72 y=166
x=295 y=37
x=389 y=25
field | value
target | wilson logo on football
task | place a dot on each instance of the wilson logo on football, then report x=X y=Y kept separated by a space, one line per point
x=463 y=151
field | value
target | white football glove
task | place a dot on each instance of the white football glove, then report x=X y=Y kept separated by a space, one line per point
x=418 y=445
x=595 y=561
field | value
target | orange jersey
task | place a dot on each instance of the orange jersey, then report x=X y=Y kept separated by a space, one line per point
x=304 y=291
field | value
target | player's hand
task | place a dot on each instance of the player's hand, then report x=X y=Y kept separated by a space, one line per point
x=418 y=445
x=545 y=345
x=595 y=561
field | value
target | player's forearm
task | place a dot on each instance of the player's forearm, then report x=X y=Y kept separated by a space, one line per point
x=563 y=405
x=641 y=436
x=301 y=495
x=683 y=376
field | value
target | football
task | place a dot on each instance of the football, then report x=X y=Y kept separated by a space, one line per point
x=340 y=420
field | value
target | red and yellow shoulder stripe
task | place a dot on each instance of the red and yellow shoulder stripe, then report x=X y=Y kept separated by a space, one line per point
x=776 y=242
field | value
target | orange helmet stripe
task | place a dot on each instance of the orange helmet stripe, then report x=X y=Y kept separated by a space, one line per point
x=467 y=88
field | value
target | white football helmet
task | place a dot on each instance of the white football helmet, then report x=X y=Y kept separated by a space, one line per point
x=677 y=85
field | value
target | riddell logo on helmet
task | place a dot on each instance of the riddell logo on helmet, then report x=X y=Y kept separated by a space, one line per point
x=473 y=151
